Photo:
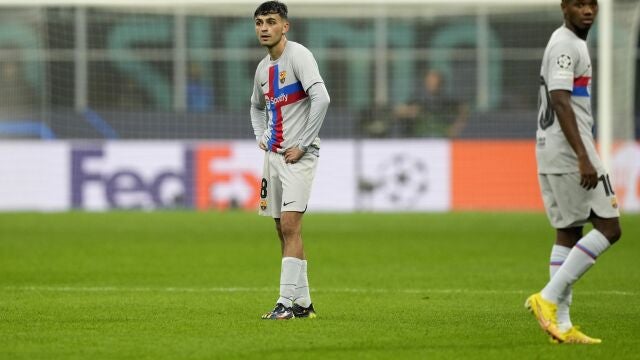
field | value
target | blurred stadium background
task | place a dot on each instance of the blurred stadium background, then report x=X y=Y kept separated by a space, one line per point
x=144 y=104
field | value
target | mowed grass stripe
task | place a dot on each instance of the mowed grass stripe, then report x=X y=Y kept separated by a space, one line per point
x=273 y=290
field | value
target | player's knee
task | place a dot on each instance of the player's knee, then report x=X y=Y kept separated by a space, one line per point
x=289 y=230
x=612 y=233
x=615 y=234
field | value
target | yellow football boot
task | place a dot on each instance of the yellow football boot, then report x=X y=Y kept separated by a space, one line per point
x=545 y=312
x=575 y=336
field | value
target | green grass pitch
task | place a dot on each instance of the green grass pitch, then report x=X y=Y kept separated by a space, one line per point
x=183 y=285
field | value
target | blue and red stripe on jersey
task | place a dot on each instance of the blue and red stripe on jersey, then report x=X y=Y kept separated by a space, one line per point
x=294 y=93
x=581 y=86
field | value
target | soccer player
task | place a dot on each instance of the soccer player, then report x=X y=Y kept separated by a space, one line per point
x=575 y=187
x=288 y=106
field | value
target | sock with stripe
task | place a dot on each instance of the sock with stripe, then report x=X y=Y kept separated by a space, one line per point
x=289 y=274
x=558 y=256
x=301 y=295
x=579 y=260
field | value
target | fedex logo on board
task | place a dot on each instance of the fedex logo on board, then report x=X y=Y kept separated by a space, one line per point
x=161 y=176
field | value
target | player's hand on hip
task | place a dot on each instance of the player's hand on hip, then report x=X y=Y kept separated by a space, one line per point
x=292 y=155
x=588 y=175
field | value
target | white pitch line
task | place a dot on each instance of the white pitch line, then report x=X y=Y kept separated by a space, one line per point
x=107 y=289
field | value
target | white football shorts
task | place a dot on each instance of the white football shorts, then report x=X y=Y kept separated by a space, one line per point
x=286 y=187
x=569 y=205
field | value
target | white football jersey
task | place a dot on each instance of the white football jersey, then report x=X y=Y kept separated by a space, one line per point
x=281 y=86
x=566 y=65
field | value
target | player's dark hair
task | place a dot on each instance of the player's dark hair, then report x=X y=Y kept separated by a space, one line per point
x=567 y=1
x=272 y=7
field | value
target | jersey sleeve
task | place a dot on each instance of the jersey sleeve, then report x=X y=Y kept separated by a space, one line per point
x=257 y=97
x=319 y=104
x=563 y=60
x=257 y=113
x=306 y=69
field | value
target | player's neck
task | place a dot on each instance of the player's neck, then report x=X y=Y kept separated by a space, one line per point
x=581 y=33
x=276 y=51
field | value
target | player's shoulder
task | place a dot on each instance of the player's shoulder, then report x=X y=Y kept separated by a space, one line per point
x=264 y=62
x=297 y=48
x=564 y=37
x=563 y=40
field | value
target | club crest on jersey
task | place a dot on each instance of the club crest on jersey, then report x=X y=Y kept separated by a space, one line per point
x=564 y=61
x=263 y=204
x=614 y=202
x=283 y=76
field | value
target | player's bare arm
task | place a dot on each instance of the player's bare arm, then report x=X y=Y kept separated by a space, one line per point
x=561 y=103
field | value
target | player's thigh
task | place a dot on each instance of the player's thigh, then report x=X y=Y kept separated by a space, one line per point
x=550 y=203
x=566 y=202
x=603 y=201
x=291 y=221
x=576 y=204
x=271 y=186
x=297 y=179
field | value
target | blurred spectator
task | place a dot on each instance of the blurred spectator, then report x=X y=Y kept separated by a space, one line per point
x=131 y=96
x=373 y=122
x=16 y=96
x=432 y=112
x=199 y=93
